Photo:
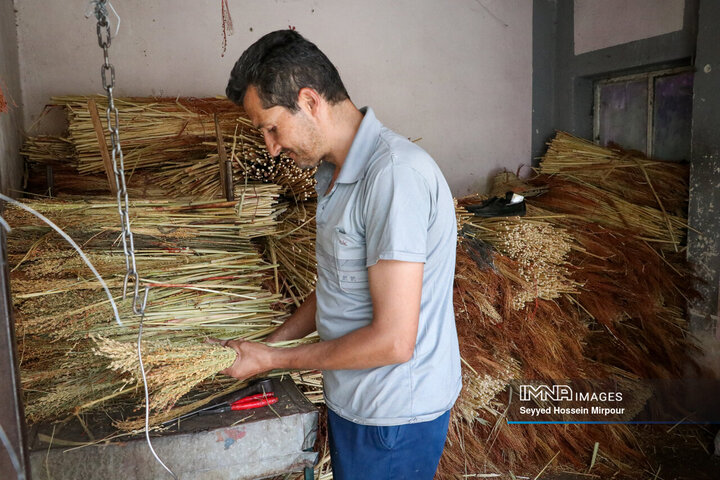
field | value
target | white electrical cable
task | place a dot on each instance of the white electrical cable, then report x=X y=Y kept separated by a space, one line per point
x=147 y=394
x=12 y=454
x=71 y=242
x=117 y=26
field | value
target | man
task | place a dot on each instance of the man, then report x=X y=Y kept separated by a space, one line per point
x=385 y=250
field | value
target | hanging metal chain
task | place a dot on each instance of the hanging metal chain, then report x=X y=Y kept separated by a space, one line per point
x=107 y=72
x=113 y=120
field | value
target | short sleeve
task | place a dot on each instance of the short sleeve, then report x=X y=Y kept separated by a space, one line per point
x=397 y=213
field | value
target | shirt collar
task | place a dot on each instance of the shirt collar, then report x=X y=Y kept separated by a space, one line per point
x=362 y=148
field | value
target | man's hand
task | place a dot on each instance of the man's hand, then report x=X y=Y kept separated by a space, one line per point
x=251 y=359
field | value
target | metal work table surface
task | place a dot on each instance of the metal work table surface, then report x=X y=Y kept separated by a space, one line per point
x=266 y=442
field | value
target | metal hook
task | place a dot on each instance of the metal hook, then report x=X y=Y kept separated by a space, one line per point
x=144 y=301
x=139 y=309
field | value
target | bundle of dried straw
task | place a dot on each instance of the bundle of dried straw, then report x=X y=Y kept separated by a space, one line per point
x=154 y=130
x=170 y=148
x=206 y=278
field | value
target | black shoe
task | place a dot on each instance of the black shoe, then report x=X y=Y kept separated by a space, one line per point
x=511 y=205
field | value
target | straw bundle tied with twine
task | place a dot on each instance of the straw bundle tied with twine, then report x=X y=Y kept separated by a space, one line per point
x=258 y=206
x=293 y=249
x=48 y=150
x=626 y=173
x=51 y=169
x=619 y=188
x=171 y=368
x=201 y=178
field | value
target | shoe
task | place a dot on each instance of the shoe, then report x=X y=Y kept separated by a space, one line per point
x=512 y=205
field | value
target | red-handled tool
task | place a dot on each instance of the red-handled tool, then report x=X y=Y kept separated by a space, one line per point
x=254 y=401
x=258 y=394
x=246 y=403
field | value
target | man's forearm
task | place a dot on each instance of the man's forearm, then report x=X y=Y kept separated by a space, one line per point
x=299 y=324
x=396 y=289
x=360 y=349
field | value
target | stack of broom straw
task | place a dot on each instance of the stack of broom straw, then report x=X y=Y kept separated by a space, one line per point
x=618 y=188
x=206 y=279
x=154 y=130
x=170 y=145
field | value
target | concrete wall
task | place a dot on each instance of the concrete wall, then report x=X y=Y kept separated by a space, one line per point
x=704 y=208
x=608 y=23
x=458 y=74
x=10 y=120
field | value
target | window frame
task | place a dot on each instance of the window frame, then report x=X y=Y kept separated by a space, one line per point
x=649 y=77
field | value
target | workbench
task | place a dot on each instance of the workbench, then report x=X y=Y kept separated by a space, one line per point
x=248 y=444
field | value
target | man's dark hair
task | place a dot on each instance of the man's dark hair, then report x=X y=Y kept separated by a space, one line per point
x=279 y=65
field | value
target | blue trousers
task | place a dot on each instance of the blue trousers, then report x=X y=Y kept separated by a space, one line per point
x=403 y=452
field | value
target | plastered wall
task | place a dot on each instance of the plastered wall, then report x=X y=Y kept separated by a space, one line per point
x=606 y=23
x=456 y=73
x=10 y=103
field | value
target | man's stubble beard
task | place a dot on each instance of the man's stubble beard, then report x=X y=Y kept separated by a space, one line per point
x=309 y=155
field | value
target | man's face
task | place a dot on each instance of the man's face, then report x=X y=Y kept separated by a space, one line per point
x=294 y=133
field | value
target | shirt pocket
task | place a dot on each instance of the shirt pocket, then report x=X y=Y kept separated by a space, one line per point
x=350 y=260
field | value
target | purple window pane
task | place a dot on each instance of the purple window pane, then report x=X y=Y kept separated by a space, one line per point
x=623 y=114
x=672 y=116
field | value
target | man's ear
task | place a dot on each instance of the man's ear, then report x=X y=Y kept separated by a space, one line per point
x=309 y=100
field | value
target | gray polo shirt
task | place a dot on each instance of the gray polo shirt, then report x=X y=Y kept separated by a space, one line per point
x=389 y=202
